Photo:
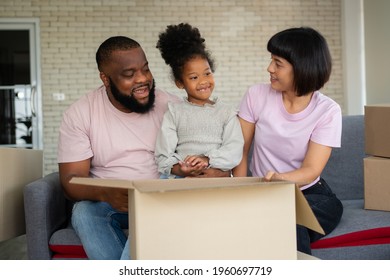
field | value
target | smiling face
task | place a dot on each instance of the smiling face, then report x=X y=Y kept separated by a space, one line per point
x=197 y=80
x=281 y=74
x=128 y=81
x=131 y=102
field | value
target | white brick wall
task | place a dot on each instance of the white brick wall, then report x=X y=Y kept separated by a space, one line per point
x=236 y=32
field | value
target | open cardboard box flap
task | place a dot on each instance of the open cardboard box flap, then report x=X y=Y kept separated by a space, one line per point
x=304 y=214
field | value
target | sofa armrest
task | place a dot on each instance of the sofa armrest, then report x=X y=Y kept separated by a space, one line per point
x=46 y=210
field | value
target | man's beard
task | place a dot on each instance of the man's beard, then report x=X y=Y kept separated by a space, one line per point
x=130 y=102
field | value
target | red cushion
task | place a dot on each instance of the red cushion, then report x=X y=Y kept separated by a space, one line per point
x=68 y=252
x=358 y=238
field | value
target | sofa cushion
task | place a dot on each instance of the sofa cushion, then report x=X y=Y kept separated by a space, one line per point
x=356 y=218
x=344 y=170
x=357 y=236
x=366 y=252
x=65 y=244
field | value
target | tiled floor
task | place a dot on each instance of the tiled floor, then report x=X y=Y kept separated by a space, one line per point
x=14 y=249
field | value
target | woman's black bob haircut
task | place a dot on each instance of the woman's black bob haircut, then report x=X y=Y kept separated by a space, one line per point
x=307 y=50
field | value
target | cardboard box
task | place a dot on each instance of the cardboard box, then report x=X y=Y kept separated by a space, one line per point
x=377 y=130
x=377 y=183
x=213 y=218
x=18 y=167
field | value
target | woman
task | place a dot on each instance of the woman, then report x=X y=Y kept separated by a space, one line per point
x=293 y=126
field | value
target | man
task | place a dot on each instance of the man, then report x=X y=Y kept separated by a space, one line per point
x=111 y=133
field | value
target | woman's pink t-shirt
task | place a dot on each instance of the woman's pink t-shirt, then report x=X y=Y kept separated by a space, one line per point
x=281 y=139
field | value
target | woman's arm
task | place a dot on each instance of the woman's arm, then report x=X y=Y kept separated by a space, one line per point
x=248 y=132
x=314 y=162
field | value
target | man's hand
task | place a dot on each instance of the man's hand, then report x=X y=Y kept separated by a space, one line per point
x=117 y=198
x=197 y=167
x=212 y=172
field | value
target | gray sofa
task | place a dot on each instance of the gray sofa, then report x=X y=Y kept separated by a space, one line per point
x=361 y=234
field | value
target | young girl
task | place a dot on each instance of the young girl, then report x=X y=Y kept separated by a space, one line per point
x=199 y=133
x=293 y=126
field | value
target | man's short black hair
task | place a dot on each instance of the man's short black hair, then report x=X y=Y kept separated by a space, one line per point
x=113 y=44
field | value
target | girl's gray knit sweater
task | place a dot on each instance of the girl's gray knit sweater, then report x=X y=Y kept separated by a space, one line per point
x=190 y=129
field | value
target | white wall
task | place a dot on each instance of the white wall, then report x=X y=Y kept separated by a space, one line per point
x=377 y=50
x=353 y=57
x=236 y=32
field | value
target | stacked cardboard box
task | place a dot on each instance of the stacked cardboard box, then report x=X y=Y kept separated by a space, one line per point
x=377 y=164
x=18 y=167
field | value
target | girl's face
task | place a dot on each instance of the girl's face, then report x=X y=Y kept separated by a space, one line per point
x=281 y=74
x=197 y=80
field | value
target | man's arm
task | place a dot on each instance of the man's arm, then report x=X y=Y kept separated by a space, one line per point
x=213 y=172
x=116 y=197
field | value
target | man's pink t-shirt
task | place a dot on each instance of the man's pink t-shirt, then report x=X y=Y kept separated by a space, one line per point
x=281 y=139
x=120 y=145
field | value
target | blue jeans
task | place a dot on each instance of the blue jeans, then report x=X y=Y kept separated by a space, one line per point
x=328 y=210
x=165 y=176
x=100 y=228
